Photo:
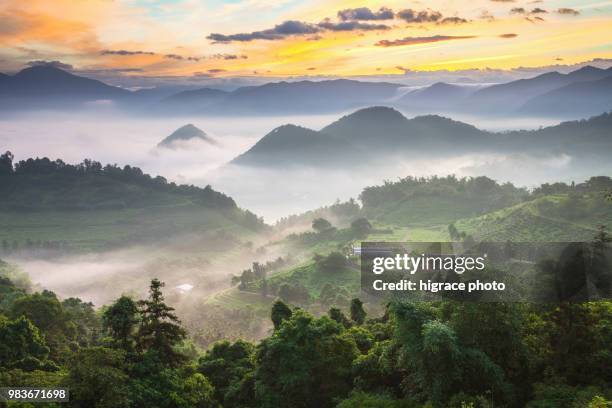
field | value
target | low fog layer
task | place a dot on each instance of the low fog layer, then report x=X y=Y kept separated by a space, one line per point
x=269 y=193
x=272 y=193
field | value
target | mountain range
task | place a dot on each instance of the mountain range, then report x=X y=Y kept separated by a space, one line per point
x=580 y=93
x=382 y=134
x=516 y=95
x=45 y=86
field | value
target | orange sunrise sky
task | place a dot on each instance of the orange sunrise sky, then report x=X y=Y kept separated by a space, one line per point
x=299 y=38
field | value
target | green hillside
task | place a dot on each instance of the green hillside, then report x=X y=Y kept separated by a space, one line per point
x=53 y=205
x=560 y=217
x=437 y=200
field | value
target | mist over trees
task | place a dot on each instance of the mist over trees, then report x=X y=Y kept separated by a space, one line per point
x=441 y=354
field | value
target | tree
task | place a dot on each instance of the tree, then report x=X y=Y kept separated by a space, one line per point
x=160 y=329
x=85 y=319
x=361 y=227
x=358 y=314
x=264 y=288
x=336 y=315
x=293 y=292
x=321 y=225
x=46 y=312
x=21 y=344
x=440 y=365
x=96 y=378
x=306 y=362
x=280 y=312
x=6 y=164
x=120 y=320
x=198 y=392
x=226 y=365
x=333 y=262
x=453 y=232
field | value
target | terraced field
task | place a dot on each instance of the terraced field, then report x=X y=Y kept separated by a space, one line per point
x=541 y=220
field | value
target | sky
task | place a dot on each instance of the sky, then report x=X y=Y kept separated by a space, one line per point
x=285 y=38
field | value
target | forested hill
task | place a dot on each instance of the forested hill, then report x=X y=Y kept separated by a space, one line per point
x=44 y=184
x=89 y=206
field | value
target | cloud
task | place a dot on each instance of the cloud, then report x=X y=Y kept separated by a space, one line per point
x=216 y=70
x=518 y=10
x=229 y=56
x=538 y=10
x=364 y=13
x=175 y=57
x=280 y=31
x=293 y=28
x=535 y=19
x=351 y=26
x=568 y=11
x=503 y=1
x=421 y=40
x=54 y=64
x=453 y=20
x=509 y=35
x=413 y=16
x=125 y=52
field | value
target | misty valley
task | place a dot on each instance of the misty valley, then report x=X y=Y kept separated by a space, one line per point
x=197 y=248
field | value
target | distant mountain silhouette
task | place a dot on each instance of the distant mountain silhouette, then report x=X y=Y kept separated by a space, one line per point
x=304 y=97
x=53 y=88
x=185 y=134
x=511 y=96
x=291 y=145
x=438 y=95
x=42 y=86
x=368 y=134
x=190 y=101
x=382 y=128
x=382 y=134
x=577 y=99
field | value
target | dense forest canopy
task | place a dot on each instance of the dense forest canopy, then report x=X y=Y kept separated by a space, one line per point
x=42 y=183
x=483 y=188
x=135 y=353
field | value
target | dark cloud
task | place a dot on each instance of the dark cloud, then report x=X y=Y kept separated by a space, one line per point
x=568 y=11
x=216 y=70
x=291 y=28
x=535 y=19
x=413 y=16
x=509 y=35
x=125 y=52
x=538 y=10
x=310 y=69
x=518 y=10
x=453 y=20
x=364 y=13
x=351 y=26
x=421 y=40
x=280 y=31
x=175 y=57
x=54 y=64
